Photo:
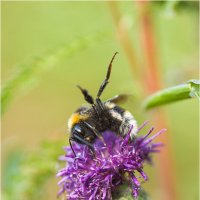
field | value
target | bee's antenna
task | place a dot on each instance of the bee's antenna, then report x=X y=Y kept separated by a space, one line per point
x=86 y=95
x=105 y=82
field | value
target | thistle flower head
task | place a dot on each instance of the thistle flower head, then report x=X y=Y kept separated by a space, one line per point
x=114 y=162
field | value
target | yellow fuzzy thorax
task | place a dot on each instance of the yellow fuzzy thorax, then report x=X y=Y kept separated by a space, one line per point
x=76 y=118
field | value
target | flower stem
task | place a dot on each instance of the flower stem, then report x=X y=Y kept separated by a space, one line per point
x=124 y=192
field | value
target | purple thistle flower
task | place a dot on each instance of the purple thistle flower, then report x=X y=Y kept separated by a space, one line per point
x=94 y=176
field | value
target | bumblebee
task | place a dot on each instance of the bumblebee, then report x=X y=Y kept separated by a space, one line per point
x=88 y=122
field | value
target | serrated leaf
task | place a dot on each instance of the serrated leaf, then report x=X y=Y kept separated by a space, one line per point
x=27 y=74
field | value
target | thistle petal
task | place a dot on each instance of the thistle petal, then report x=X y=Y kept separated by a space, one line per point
x=95 y=177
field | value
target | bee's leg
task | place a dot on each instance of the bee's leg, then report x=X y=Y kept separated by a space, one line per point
x=75 y=157
x=82 y=141
x=103 y=85
x=95 y=132
x=99 y=109
x=86 y=95
x=92 y=152
x=105 y=82
x=100 y=105
x=96 y=110
x=105 y=115
x=72 y=147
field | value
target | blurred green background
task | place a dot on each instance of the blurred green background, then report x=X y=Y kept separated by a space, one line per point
x=49 y=47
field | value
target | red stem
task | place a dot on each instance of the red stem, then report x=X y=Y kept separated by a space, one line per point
x=150 y=83
x=153 y=83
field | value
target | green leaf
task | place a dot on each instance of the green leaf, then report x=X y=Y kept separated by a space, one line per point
x=195 y=88
x=25 y=174
x=27 y=74
x=173 y=94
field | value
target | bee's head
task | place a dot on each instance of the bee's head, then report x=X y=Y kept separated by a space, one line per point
x=81 y=134
x=79 y=130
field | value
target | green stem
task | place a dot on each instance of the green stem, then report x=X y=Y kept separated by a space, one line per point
x=172 y=94
x=124 y=192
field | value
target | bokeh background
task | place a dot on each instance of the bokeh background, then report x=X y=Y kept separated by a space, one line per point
x=49 y=47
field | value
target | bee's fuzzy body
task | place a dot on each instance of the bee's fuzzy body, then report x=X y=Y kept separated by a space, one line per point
x=88 y=122
x=112 y=117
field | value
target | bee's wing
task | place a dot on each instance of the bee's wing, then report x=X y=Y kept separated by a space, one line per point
x=118 y=99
